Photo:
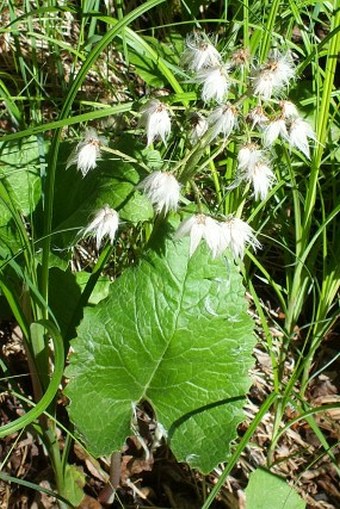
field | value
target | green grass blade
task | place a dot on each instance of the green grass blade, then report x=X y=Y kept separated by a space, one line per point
x=104 y=111
x=52 y=389
x=243 y=443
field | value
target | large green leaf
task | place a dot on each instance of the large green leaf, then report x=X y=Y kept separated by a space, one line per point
x=173 y=331
x=21 y=163
x=266 y=491
x=65 y=290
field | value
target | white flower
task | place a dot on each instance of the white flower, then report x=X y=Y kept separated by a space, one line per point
x=222 y=120
x=163 y=191
x=249 y=155
x=255 y=169
x=105 y=222
x=288 y=110
x=199 y=53
x=199 y=128
x=283 y=68
x=215 y=81
x=155 y=118
x=299 y=133
x=258 y=117
x=87 y=152
x=274 y=130
x=274 y=75
x=261 y=177
x=200 y=227
x=264 y=85
x=237 y=235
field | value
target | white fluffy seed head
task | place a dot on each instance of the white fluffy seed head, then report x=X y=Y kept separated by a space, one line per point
x=87 y=152
x=262 y=178
x=254 y=168
x=200 y=227
x=237 y=235
x=299 y=132
x=163 y=190
x=215 y=82
x=199 y=53
x=274 y=75
x=275 y=129
x=288 y=110
x=249 y=155
x=264 y=85
x=155 y=118
x=199 y=126
x=105 y=222
x=222 y=120
x=257 y=117
x=283 y=68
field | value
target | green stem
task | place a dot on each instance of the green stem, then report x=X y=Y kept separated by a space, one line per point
x=269 y=30
x=216 y=181
x=51 y=391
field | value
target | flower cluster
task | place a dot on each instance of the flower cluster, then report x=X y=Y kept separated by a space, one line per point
x=223 y=86
x=233 y=234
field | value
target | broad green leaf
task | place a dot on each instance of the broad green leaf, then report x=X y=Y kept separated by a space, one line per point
x=74 y=481
x=100 y=291
x=21 y=164
x=174 y=331
x=266 y=491
x=211 y=430
x=64 y=294
x=65 y=289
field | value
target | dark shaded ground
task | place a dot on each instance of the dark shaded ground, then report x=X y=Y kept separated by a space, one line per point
x=147 y=475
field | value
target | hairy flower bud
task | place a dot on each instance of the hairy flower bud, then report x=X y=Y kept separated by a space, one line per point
x=215 y=81
x=155 y=118
x=199 y=126
x=163 y=190
x=200 y=53
x=237 y=235
x=87 y=152
x=222 y=120
x=299 y=133
x=105 y=222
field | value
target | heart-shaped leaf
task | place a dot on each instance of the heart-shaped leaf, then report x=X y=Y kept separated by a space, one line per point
x=174 y=331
